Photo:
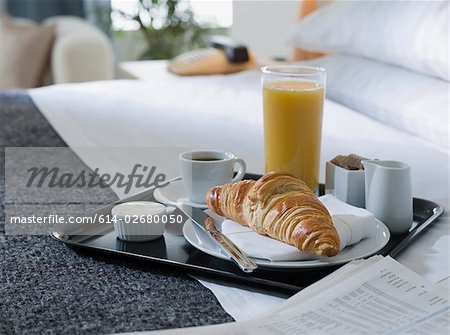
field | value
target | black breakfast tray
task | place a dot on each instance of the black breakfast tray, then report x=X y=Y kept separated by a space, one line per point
x=174 y=250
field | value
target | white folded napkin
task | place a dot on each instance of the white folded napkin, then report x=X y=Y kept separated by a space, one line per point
x=352 y=224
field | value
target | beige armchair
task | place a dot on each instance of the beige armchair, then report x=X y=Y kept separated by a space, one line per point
x=80 y=51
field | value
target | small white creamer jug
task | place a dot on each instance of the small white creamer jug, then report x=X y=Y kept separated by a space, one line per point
x=389 y=193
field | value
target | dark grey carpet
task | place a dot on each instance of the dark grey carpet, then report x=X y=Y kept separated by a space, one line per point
x=46 y=287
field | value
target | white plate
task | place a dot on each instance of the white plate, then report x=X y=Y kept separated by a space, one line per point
x=366 y=247
x=174 y=193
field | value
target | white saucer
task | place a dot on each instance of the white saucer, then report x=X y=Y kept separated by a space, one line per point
x=365 y=248
x=173 y=194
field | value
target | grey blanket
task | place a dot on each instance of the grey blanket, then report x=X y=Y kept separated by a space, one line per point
x=46 y=287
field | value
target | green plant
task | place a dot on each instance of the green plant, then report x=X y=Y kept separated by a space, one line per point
x=168 y=27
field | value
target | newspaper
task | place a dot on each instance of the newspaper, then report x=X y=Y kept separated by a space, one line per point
x=374 y=296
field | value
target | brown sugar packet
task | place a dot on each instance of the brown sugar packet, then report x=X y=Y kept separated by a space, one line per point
x=349 y=162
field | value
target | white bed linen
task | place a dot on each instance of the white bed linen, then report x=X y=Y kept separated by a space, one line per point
x=225 y=112
x=377 y=90
x=411 y=34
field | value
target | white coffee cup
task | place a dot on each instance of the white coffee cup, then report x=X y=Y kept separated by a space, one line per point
x=204 y=169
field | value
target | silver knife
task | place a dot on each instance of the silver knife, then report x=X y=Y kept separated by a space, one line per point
x=207 y=224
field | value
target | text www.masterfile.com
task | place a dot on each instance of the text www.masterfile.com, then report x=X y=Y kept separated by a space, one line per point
x=96 y=218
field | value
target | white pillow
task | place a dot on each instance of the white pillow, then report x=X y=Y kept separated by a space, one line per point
x=411 y=34
x=401 y=98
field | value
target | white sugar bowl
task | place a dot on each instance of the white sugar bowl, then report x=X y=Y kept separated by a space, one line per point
x=139 y=221
x=346 y=185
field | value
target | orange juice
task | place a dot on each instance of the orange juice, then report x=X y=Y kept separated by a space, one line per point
x=293 y=127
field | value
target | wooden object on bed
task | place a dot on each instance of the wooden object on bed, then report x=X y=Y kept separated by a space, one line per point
x=306 y=8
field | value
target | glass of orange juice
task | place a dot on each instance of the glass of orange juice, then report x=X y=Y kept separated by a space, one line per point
x=293 y=107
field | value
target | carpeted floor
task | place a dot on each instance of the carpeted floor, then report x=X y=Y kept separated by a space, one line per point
x=45 y=287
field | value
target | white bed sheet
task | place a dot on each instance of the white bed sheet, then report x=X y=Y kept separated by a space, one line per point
x=225 y=112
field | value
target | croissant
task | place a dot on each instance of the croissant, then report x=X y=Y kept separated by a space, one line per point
x=281 y=206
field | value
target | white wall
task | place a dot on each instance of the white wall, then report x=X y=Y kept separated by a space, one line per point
x=129 y=45
x=264 y=26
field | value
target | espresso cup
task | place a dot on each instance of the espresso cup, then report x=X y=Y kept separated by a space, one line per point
x=204 y=169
